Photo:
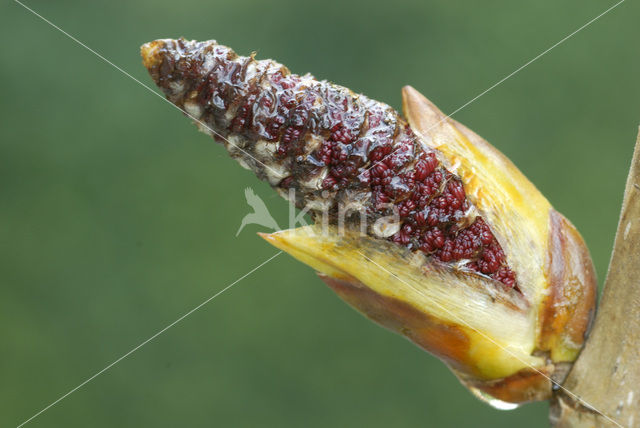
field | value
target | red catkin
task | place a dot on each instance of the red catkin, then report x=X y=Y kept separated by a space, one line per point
x=353 y=144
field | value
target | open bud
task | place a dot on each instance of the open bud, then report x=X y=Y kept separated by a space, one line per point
x=420 y=224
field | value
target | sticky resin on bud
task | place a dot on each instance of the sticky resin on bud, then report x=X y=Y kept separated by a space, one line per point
x=443 y=239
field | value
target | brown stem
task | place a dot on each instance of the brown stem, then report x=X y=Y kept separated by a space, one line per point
x=607 y=373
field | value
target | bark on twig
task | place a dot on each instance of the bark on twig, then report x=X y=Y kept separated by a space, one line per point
x=607 y=373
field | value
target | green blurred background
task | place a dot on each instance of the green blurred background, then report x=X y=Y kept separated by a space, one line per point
x=117 y=216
